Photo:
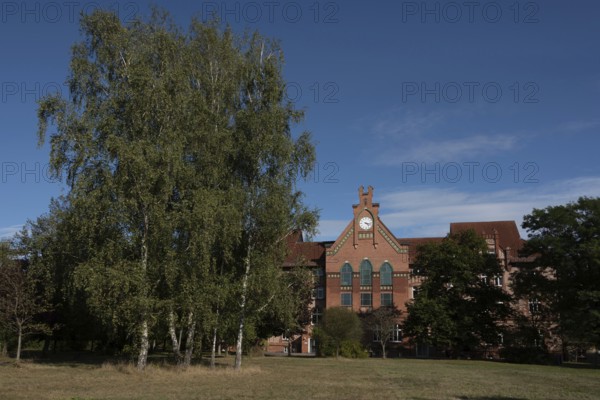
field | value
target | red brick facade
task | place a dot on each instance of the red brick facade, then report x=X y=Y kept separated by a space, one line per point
x=367 y=264
x=368 y=247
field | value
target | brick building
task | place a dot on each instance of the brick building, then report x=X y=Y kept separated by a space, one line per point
x=367 y=266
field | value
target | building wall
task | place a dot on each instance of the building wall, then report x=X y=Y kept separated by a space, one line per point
x=375 y=244
x=361 y=240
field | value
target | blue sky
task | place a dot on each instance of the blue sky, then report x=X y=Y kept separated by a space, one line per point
x=452 y=111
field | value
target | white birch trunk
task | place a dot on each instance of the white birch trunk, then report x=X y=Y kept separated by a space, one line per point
x=189 y=344
x=173 y=335
x=143 y=357
x=144 y=344
x=213 y=354
x=240 y=338
x=19 y=340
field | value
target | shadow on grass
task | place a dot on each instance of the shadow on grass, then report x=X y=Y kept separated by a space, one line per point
x=86 y=358
x=580 y=365
x=220 y=362
x=76 y=359
x=65 y=358
x=489 y=398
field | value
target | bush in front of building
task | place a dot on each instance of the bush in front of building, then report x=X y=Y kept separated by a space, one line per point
x=326 y=346
x=527 y=355
x=353 y=349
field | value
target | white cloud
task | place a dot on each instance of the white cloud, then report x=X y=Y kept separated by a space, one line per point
x=429 y=212
x=330 y=229
x=418 y=212
x=9 y=231
x=578 y=126
x=399 y=125
x=456 y=150
x=408 y=136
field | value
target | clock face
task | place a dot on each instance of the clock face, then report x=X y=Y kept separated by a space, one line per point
x=365 y=223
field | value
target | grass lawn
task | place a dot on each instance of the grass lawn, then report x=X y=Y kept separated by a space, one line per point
x=299 y=378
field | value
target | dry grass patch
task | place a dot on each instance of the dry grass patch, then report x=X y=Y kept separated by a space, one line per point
x=300 y=378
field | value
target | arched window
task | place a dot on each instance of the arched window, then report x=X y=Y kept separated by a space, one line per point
x=385 y=275
x=346 y=275
x=366 y=273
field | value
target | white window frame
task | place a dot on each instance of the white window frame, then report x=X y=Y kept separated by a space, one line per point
x=396 y=335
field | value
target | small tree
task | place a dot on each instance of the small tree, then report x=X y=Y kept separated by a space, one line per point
x=564 y=276
x=382 y=324
x=341 y=324
x=19 y=301
x=457 y=308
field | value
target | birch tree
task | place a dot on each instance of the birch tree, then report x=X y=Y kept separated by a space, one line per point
x=179 y=154
x=21 y=302
x=117 y=143
x=268 y=161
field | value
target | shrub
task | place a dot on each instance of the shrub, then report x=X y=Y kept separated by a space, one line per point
x=353 y=349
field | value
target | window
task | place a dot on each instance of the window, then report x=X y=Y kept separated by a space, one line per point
x=491 y=244
x=386 y=299
x=365 y=300
x=483 y=279
x=347 y=299
x=346 y=275
x=415 y=292
x=534 y=306
x=316 y=315
x=317 y=276
x=366 y=273
x=385 y=275
x=320 y=292
x=376 y=334
x=498 y=281
x=396 y=333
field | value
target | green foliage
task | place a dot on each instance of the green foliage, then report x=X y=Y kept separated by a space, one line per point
x=288 y=311
x=564 y=273
x=353 y=349
x=341 y=324
x=23 y=301
x=527 y=355
x=380 y=324
x=457 y=308
x=182 y=167
x=327 y=346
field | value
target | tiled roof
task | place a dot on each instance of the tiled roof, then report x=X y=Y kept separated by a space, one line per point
x=301 y=253
x=414 y=243
x=508 y=234
x=312 y=254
